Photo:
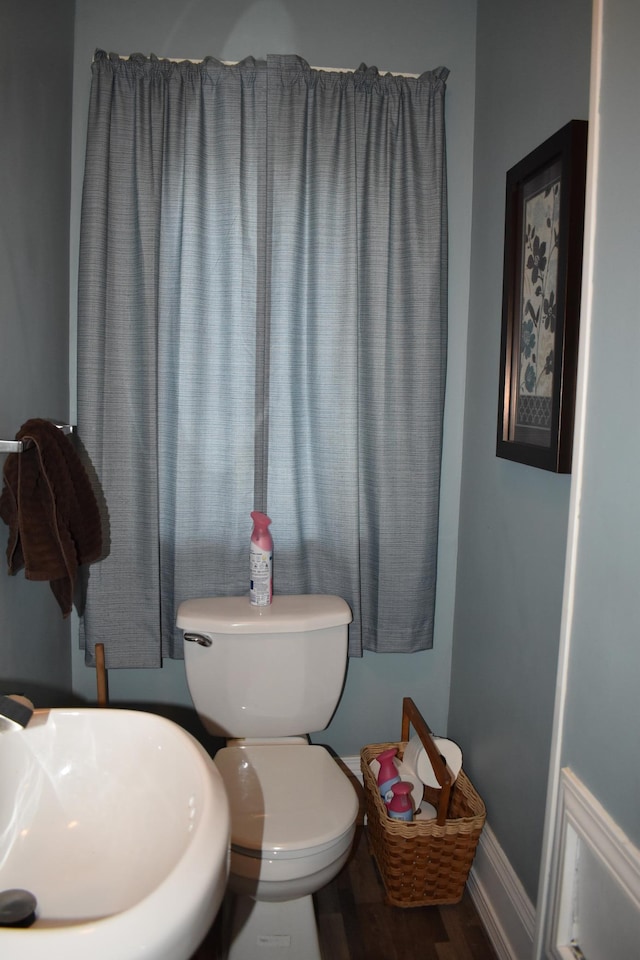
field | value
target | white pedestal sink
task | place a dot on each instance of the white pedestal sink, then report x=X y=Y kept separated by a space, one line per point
x=118 y=822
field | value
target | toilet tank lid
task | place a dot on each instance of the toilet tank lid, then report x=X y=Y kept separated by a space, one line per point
x=286 y=614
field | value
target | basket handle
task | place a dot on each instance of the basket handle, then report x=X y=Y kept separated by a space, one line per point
x=411 y=715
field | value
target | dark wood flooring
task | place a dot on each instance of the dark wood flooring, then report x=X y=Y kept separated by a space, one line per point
x=355 y=923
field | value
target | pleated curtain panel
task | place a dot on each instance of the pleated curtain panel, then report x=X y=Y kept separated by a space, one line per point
x=262 y=325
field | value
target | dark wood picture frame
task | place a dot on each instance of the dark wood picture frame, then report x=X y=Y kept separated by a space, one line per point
x=544 y=226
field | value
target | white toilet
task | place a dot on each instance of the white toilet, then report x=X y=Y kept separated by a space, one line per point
x=264 y=677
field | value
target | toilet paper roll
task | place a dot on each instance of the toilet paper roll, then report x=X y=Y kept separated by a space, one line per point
x=426 y=812
x=416 y=759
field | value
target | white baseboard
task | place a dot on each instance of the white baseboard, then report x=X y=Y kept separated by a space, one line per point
x=353 y=765
x=500 y=899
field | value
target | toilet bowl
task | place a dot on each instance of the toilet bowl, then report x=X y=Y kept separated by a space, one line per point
x=267 y=675
x=293 y=818
x=293 y=814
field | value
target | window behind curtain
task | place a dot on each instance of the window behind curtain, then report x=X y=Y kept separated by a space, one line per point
x=262 y=315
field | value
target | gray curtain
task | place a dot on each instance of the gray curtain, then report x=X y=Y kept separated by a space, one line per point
x=262 y=325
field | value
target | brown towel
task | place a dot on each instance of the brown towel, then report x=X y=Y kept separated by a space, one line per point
x=49 y=506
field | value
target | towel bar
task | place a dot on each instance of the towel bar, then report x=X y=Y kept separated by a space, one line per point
x=17 y=446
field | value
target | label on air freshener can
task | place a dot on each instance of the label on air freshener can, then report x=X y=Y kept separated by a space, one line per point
x=260 y=584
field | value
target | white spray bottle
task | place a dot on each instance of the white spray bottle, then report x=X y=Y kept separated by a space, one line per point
x=261 y=561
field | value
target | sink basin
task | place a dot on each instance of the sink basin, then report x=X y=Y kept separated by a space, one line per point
x=118 y=822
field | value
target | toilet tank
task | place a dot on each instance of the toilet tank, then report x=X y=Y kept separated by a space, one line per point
x=271 y=671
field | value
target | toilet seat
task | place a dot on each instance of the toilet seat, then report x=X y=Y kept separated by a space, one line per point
x=287 y=801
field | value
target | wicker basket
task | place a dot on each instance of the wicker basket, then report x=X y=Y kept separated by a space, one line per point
x=423 y=862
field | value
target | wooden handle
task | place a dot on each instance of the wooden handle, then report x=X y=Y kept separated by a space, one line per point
x=101 y=677
x=412 y=716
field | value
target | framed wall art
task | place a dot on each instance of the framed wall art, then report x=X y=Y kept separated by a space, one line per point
x=544 y=225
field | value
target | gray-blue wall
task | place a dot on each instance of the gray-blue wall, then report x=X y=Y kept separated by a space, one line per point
x=410 y=36
x=36 y=59
x=602 y=714
x=532 y=78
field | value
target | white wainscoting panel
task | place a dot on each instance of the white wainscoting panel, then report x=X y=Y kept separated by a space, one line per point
x=595 y=885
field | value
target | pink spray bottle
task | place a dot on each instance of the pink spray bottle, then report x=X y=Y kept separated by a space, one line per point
x=261 y=561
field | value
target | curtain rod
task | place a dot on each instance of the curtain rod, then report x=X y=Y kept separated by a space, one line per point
x=234 y=63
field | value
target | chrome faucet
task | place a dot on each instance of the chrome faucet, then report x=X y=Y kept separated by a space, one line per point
x=15 y=711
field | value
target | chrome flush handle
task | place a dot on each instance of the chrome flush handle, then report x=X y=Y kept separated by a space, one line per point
x=198 y=638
